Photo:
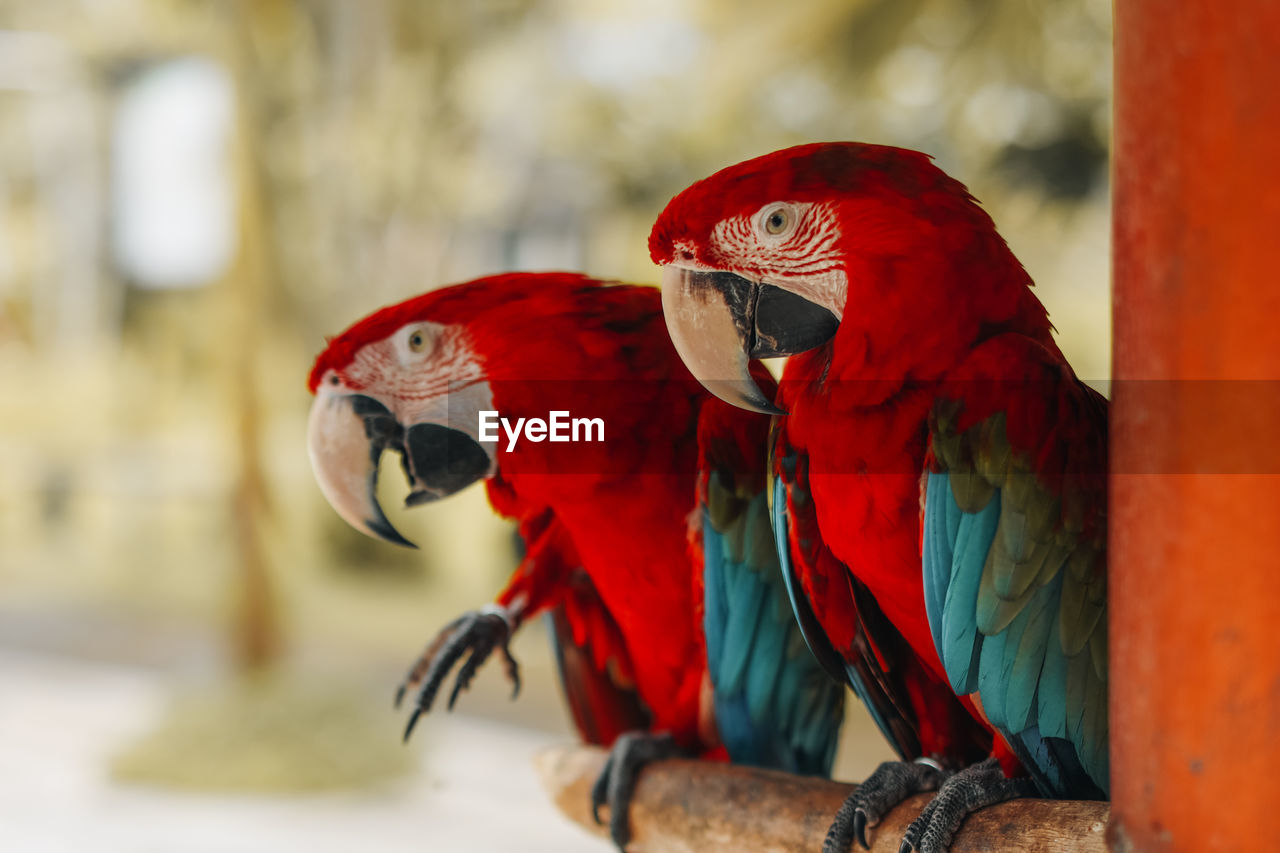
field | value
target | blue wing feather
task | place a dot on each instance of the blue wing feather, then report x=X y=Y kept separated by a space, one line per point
x=1051 y=696
x=941 y=527
x=961 y=644
x=775 y=706
x=715 y=603
x=1029 y=689
x=749 y=632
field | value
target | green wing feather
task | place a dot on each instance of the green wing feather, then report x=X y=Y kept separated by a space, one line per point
x=1016 y=589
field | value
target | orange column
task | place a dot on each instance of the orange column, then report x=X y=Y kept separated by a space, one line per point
x=1195 y=505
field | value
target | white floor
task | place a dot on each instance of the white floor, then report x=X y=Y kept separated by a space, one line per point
x=61 y=719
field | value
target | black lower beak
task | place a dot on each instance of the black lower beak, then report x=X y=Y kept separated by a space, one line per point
x=771 y=322
x=785 y=324
x=440 y=461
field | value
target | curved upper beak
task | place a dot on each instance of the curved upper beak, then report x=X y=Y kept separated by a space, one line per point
x=719 y=321
x=346 y=435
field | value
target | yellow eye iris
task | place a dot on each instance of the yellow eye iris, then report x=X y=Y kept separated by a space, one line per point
x=417 y=342
x=777 y=221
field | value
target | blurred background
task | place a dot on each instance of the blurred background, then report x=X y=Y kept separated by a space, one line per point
x=196 y=653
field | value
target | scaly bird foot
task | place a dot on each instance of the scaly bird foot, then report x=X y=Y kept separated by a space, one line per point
x=976 y=787
x=890 y=784
x=617 y=781
x=479 y=632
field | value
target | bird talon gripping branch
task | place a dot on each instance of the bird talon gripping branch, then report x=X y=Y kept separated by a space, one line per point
x=890 y=784
x=617 y=780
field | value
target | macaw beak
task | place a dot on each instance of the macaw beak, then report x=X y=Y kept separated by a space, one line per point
x=346 y=436
x=719 y=321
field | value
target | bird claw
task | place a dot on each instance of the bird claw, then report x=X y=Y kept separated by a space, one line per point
x=976 y=787
x=617 y=780
x=890 y=784
x=478 y=632
x=860 y=827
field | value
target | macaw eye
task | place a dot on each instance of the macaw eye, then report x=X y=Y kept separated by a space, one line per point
x=417 y=342
x=333 y=379
x=777 y=220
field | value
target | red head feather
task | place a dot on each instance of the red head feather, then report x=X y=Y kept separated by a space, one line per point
x=815 y=172
x=501 y=307
x=926 y=272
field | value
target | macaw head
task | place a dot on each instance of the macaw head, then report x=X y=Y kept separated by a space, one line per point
x=412 y=378
x=407 y=379
x=775 y=255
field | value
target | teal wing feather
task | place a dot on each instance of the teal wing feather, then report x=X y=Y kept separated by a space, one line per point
x=775 y=705
x=1015 y=578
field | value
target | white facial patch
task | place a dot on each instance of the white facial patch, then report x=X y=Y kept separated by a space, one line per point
x=426 y=373
x=804 y=258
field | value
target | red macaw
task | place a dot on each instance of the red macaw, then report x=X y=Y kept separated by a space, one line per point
x=649 y=540
x=938 y=463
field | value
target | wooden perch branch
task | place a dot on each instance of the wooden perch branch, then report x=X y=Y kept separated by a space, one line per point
x=684 y=806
